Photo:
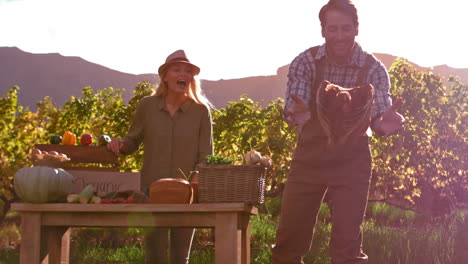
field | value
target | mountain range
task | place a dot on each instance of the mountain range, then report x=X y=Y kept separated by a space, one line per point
x=59 y=77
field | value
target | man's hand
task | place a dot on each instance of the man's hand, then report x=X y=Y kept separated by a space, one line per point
x=391 y=121
x=117 y=146
x=298 y=112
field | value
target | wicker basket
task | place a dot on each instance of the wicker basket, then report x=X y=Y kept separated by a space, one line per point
x=232 y=183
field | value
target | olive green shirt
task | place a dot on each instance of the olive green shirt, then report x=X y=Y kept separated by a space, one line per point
x=181 y=141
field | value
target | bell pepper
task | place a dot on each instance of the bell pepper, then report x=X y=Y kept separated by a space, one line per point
x=55 y=139
x=86 y=139
x=104 y=139
x=68 y=138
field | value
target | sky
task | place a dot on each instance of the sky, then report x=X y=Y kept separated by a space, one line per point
x=227 y=39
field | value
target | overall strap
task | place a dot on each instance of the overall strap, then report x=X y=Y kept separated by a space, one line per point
x=319 y=69
x=314 y=127
x=370 y=60
x=361 y=80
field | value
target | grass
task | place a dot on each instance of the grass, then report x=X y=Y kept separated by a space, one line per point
x=391 y=235
x=383 y=214
x=263 y=231
x=101 y=255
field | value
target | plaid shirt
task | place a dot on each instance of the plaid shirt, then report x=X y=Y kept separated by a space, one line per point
x=302 y=73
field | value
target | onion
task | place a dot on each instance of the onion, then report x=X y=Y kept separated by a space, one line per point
x=266 y=161
x=36 y=151
x=253 y=157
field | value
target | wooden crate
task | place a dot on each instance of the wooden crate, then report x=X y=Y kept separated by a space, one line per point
x=84 y=166
x=80 y=155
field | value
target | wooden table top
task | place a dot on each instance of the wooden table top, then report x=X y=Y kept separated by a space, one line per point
x=155 y=208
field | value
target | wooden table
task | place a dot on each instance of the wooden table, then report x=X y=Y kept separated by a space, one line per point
x=44 y=225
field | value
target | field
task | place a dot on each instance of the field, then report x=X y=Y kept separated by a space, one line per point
x=422 y=169
x=391 y=235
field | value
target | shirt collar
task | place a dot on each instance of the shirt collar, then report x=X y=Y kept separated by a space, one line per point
x=357 y=58
x=162 y=106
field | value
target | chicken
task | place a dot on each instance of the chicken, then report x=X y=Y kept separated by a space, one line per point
x=344 y=112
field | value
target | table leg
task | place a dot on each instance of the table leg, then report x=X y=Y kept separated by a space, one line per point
x=65 y=259
x=30 y=238
x=245 y=240
x=55 y=245
x=227 y=239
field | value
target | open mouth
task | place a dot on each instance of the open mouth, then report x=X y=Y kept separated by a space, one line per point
x=182 y=82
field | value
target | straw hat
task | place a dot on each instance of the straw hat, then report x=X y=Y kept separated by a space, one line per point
x=178 y=56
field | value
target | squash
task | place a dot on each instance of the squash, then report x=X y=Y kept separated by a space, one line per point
x=73 y=198
x=171 y=191
x=42 y=184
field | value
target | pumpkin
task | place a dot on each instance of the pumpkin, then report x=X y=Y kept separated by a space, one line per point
x=171 y=191
x=42 y=184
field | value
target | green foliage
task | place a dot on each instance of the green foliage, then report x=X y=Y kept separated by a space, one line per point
x=429 y=155
x=17 y=126
x=213 y=159
x=263 y=231
x=273 y=206
x=244 y=125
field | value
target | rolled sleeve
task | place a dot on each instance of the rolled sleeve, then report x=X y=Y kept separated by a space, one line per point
x=300 y=79
x=380 y=79
x=135 y=133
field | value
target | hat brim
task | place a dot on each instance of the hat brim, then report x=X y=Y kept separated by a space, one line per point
x=196 y=69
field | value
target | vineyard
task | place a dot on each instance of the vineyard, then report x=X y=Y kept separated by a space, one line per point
x=422 y=169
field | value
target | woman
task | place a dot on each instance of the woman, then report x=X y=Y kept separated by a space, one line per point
x=175 y=127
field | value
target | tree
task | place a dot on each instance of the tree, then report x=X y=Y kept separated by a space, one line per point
x=426 y=163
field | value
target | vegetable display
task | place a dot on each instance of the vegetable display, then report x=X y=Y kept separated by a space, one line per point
x=103 y=140
x=194 y=179
x=117 y=200
x=55 y=139
x=47 y=158
x=42 y=184
x=68 y=138
x=128 y=196
x=171 y=191
x=86 y=139
x=87 y=195
x=214 y=159
x=254 y=157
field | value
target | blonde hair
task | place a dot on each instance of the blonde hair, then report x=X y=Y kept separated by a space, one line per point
x=195 y=92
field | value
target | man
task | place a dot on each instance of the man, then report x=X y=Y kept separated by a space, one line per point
x=343 y=171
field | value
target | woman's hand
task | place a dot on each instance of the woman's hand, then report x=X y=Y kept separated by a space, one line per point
x=117 y=146
x=391 y=121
